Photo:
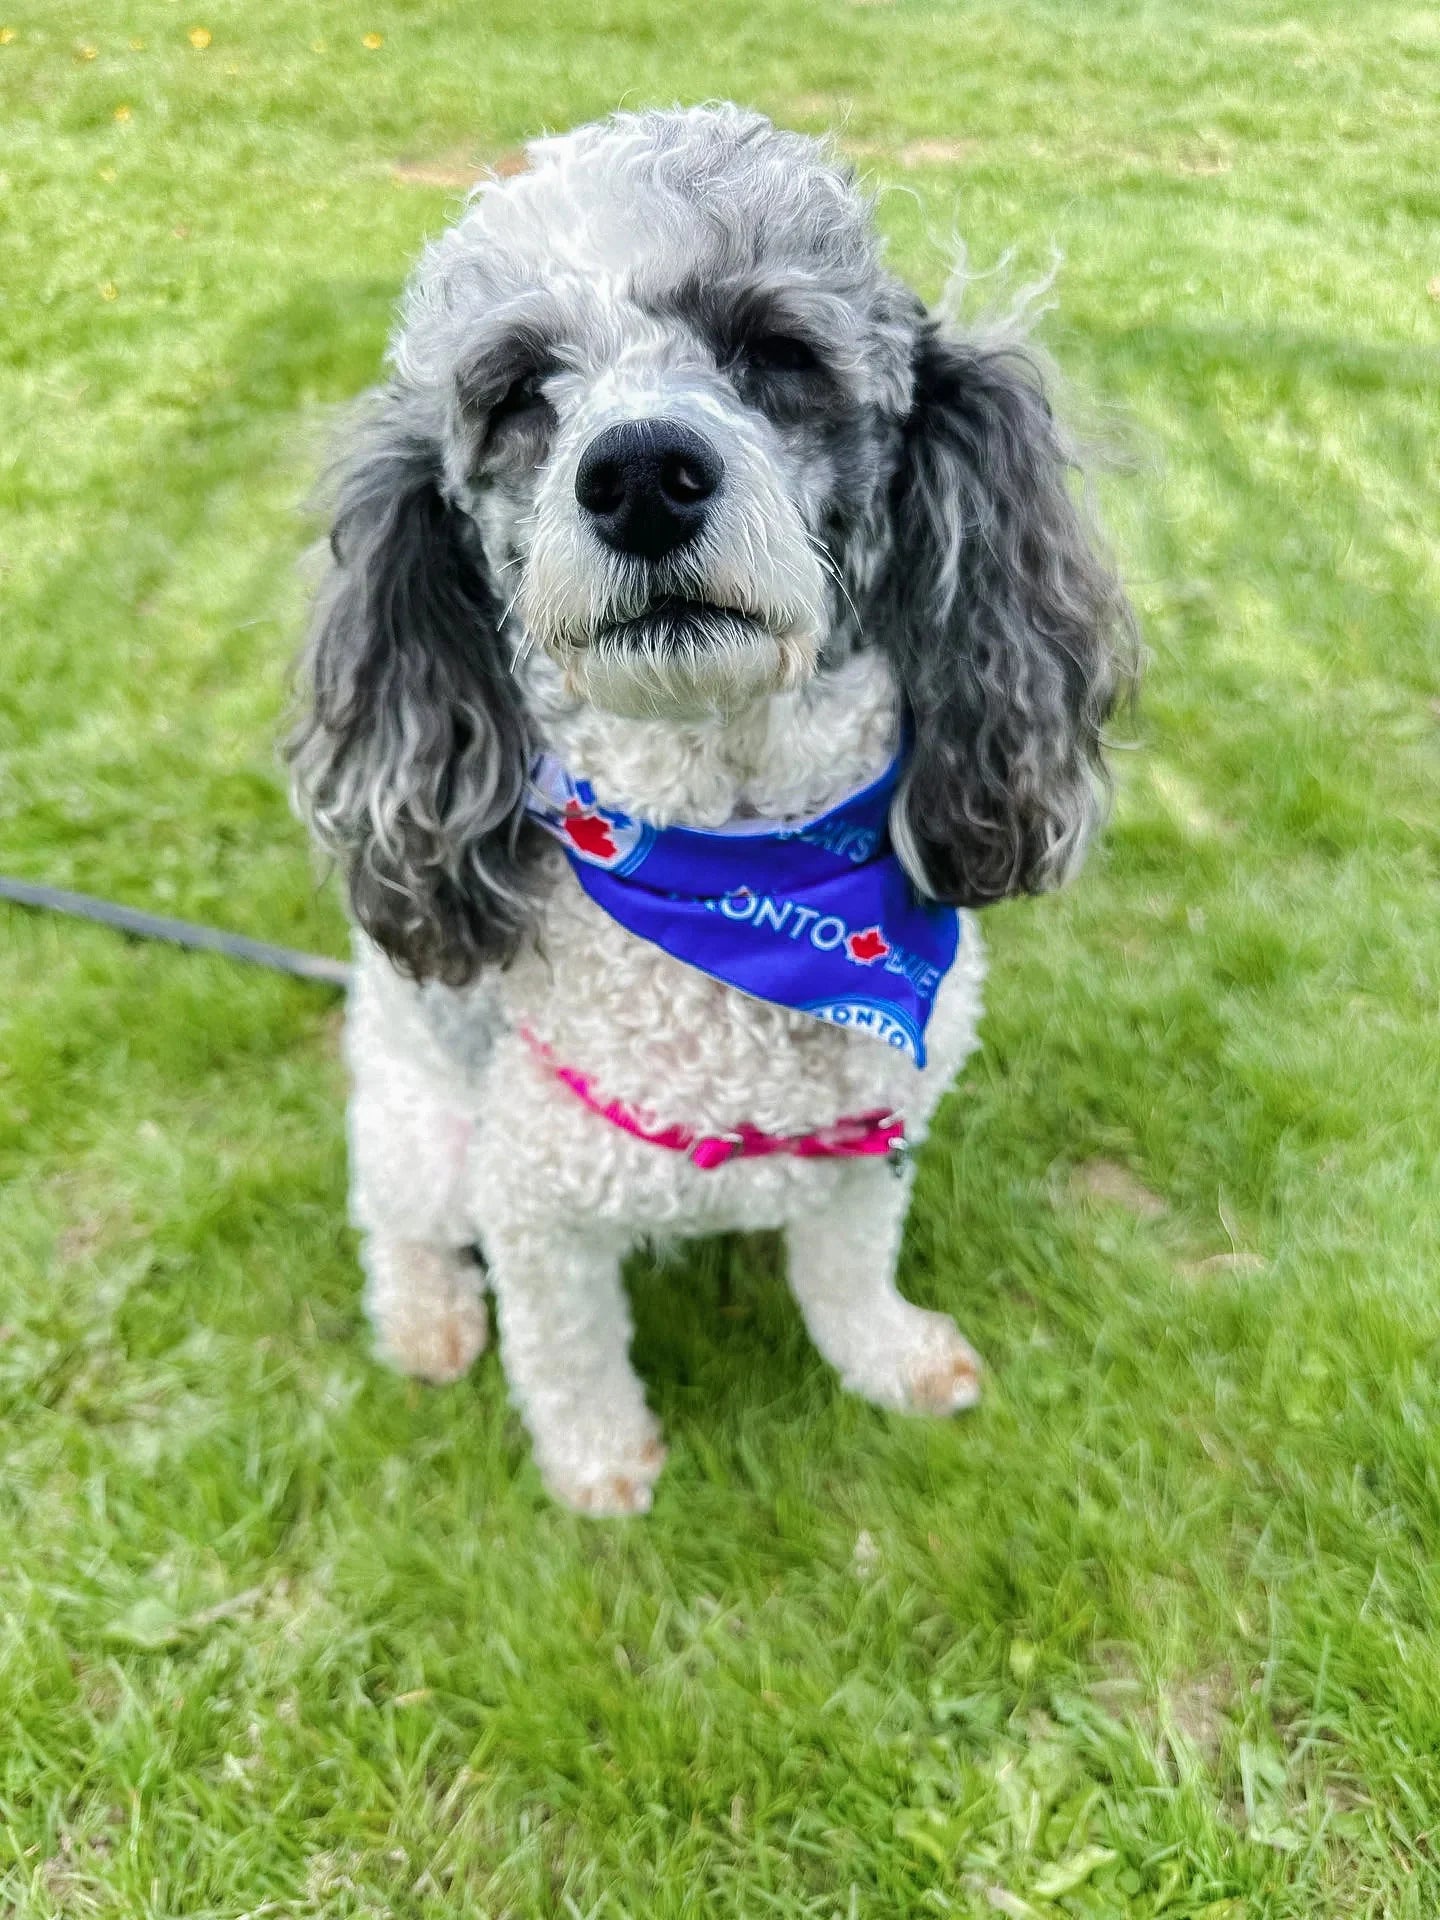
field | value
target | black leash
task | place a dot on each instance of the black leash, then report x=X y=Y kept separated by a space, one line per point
x=181 y=933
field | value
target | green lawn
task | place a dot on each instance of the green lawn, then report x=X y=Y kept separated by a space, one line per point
x=1154 y=1631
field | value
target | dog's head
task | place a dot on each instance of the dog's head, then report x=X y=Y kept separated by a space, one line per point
x=658 y=415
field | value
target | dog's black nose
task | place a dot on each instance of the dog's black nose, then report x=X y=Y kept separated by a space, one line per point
x=646 y=485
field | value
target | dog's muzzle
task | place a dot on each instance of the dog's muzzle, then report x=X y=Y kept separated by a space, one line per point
x=666 y=579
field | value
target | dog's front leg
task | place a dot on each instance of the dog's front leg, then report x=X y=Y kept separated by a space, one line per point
x=565 y=1342
x=842 y=1273
x=410 y=1131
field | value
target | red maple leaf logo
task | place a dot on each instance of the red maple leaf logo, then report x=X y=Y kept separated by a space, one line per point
x=588 y=832
x=868 y=947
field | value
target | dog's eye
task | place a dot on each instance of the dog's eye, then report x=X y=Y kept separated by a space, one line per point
x=780 y=353
x=522 y=396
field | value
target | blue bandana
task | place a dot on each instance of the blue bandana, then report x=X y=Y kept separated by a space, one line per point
x=818 y=915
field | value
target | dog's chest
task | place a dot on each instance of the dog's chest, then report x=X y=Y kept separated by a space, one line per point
x=656 y=1033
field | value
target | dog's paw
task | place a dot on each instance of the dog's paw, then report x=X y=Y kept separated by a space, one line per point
x=441 y=1348
x=610 y=1486
x=427 y=1305
x=926 y=1365
x=947 y=1380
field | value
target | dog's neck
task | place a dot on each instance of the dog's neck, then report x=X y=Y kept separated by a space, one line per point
x=784 y=757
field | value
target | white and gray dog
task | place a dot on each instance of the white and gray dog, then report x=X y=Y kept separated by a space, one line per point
x=676 y=497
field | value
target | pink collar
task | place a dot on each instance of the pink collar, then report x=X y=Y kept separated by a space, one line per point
x=855 y=1136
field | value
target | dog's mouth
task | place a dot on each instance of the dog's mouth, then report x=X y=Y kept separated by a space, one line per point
x=676 y=624
x=680 y=656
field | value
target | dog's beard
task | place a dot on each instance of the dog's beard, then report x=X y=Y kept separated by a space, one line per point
x=687 y=658
x=705 y=631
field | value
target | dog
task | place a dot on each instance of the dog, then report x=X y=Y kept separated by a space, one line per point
x=681 y=525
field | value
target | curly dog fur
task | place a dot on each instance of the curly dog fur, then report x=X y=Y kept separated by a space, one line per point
x=895 y=540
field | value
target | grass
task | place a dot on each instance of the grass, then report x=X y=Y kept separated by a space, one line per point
x=1150 y=1634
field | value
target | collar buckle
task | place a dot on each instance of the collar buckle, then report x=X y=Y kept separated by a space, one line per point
x=897 y=1149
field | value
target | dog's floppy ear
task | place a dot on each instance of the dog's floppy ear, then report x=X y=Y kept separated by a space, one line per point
x=1004 y=624
x=412 y=757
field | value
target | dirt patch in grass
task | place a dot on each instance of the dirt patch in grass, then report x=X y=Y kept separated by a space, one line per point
x=1205 y=165
x=458 y=170
x=915 y=153
x=1113 y=1184
x=811 y=106
x=1194 y=1706
x=92 y=1222
x=1216 y=1264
